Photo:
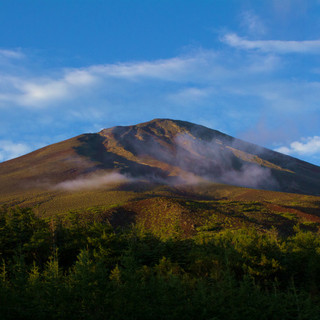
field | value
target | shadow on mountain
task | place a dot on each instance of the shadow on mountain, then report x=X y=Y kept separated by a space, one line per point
x=92 y=147
x=308 y=210
x=121 y=217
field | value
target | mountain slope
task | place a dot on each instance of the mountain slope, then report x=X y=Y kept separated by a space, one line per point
x=187 y=151
x=164 y=151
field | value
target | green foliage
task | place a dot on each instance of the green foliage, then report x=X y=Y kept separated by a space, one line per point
x=79 y=267
x=21 y=232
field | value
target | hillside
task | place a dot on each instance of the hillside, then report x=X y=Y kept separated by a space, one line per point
x=126 y=171
x=117 y=223
x=163 y=151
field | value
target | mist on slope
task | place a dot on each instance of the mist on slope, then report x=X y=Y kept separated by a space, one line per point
x=214 y=160
x=193 y=158
x=92 y=182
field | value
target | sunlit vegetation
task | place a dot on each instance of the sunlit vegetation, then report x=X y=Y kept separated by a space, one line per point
x=73 y=247
x=87 y=265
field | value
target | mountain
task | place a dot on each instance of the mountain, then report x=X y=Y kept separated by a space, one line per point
x=162 y=151
x=131 y=215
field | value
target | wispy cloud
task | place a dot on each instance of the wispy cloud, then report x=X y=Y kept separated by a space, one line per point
x=168 y=69
x=253 y=23
x=10 y=150
x=230 y=89
x=11 y=54
x=305 y=146
x=191 y=95
x=42 y=91
x=39 y=91
x=92 y=182
x=204 y=67
x=275 y=46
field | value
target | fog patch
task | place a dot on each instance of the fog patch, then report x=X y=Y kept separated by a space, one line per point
x=189 y=178
x=252 y=176
x=92 y=182
x=193 y=158
x=215 y=161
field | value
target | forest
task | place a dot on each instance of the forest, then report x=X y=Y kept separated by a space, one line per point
x=77 y=266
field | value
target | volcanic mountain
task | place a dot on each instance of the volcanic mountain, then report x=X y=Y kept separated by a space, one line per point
x=163 y=151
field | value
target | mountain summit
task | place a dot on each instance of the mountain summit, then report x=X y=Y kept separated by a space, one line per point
x=163 y=151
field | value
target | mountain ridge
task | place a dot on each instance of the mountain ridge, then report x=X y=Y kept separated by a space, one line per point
x=163 y=151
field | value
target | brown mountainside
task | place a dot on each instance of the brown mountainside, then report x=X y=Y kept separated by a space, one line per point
x=165 y=151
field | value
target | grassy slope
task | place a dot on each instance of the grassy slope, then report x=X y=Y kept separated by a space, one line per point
x=181 y=210
x=199 y=149
x=28 y=181
x=44 y=166
x=151 y=150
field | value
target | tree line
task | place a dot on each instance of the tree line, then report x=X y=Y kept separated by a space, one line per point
x=77 y=266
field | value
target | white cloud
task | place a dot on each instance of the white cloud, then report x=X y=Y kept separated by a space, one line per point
x=199 y=69
x=36 y=92
x=289 y=95
x=253 y=23
x=232 y=88
x=156 y=69
x=43 y=91
x=284 y=150
x=79 y=77
x=40 y=91
x=10 y=54
x=190 y=95
x=275 y=46
x=306 y=146
x=10 y=150
x=174 y=69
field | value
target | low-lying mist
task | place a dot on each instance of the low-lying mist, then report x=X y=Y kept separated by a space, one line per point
x=195 y=159
x=214 y=161
x=94 y=181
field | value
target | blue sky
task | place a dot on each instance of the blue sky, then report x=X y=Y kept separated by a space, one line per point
x=250 y=69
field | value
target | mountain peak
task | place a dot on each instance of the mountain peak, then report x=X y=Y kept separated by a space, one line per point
x=160 y=122
x=169 y=128
x=164 y=151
